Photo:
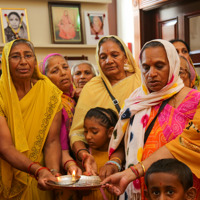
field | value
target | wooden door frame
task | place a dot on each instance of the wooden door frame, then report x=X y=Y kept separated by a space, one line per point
x=139 y=8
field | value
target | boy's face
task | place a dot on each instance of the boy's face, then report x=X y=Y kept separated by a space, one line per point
x=166 y=186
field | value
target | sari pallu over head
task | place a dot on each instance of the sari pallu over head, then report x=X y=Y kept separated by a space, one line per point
x=29 y=121
x=135 y=114
x=95 y=94
x=131 y=65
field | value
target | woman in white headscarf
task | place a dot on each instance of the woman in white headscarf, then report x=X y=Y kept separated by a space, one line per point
x=153 y=119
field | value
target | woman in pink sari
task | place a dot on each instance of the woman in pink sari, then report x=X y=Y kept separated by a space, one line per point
x=56 y=68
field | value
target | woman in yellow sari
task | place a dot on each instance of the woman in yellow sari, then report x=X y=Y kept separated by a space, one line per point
x=121 y=76
x=30 y=119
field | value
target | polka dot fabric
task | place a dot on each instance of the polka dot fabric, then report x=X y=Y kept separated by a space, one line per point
x=134 y=116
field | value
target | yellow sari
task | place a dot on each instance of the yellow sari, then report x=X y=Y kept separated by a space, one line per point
x=95 y=94
x=186 y=147
x=29 y=121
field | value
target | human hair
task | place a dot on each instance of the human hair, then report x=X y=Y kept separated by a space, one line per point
x=113 y=39
x=24 y=41
x=178 y=40
x=83 y=62
x=14 y=13
x=172 y=166
x=151 y=44
x=108 y=117
x=46 y=61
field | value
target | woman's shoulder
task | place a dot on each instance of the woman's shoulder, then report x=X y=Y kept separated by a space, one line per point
x=186 y=91
x=188 y=94
x=93 y=83
x=191 y=92
x=47 y=86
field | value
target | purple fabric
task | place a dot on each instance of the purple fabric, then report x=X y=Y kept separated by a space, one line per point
x=45 y=59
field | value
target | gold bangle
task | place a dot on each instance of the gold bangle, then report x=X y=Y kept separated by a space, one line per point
x=116 y=158
x=143 y=168
x=70 y=164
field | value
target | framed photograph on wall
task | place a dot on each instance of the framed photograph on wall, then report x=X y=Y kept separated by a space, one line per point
x=65 y=21
x=72 y=60
x=96 y=26
x=14 y=23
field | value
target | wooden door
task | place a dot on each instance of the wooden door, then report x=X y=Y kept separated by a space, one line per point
x=170 y=19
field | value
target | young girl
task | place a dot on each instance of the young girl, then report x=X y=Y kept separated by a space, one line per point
x=98 y=127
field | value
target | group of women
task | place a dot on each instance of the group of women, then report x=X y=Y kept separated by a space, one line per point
x=158 y=116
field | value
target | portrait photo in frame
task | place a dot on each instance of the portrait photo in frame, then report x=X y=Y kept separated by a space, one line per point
x=65 y=21
x=96 y=26
x=14 y=24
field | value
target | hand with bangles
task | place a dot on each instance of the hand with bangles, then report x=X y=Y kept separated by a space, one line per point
x=70 y=166
x=42 y=175
x=88 y=162
x=111 y=167
x=118 y=182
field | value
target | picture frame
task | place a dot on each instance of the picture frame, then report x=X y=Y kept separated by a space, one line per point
x=72 y=60
x=65 y=23
x=96 y=26
x=14 y=24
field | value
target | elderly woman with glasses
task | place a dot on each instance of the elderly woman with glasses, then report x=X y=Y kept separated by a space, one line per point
x=30 y=118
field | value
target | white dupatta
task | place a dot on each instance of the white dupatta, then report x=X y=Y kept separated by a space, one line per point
x=135 y=115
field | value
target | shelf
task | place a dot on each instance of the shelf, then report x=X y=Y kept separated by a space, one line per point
x=61 y=46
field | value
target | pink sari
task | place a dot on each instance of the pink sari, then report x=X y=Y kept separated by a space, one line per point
x=169 y=125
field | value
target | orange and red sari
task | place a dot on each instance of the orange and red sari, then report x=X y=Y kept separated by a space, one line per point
x=170 y=124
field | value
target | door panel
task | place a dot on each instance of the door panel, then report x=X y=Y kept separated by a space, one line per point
x=177 y=20
x=168 y=29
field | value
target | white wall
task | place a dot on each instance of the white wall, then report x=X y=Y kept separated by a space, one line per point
x=40 y=32
x=125 y=26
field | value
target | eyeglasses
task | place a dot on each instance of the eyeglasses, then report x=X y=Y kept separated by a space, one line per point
x=17 y=58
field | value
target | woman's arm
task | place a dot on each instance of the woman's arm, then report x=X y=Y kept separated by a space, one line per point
x=118 y=182
x=18 y=160
x=109 y=169
x=82 y=154
x=8 y=151
x=69 y=164
x=52 y=147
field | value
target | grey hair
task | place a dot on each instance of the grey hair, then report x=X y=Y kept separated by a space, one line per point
x=47 y=61
x=84 y=62
x=113 y=39
x=23 y=41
